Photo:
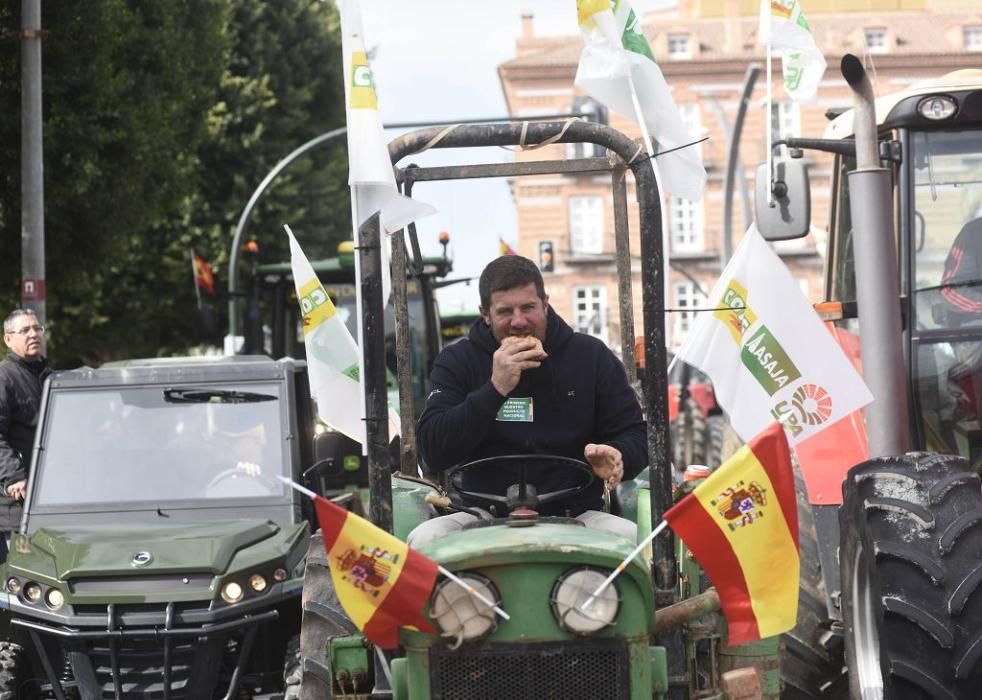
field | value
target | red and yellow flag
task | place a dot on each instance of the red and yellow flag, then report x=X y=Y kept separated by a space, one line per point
x=381 y=582
x=741 y=524
x=504 y=248
x=202 y=273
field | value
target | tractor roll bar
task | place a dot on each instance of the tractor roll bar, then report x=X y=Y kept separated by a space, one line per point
x=654 y=380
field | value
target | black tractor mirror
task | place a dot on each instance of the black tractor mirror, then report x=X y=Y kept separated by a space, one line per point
x=788 y=213
x=328 y=463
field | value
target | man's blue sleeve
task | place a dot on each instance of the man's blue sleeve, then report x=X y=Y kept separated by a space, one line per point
x=620 y=422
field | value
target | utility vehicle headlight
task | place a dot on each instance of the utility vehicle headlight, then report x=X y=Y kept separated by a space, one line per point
x=571 y=592
x=13 y=585
x=54 y=598
x=937 y=107
x=232 y=592
x=279 y=575
x=257 y=582
x=459 y=614
x=32 y=591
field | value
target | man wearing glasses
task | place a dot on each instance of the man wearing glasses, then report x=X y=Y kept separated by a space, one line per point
x=22 y=374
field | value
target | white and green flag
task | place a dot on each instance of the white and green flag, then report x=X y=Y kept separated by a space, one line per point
x=618 y=68
x=783 y=26
x=767 y=352
x=332 y=354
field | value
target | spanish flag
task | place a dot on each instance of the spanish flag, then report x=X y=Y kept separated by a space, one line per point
x=741 y=524
x=381 y=582
x=203 y=276
x=504 y=248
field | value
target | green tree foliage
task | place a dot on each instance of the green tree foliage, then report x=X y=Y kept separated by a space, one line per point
x=160 y=118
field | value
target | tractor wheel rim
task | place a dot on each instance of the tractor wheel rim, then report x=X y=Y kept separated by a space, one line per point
x=866 y=638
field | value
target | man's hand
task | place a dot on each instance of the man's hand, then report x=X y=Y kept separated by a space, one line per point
x=17 y=490
x=515 y=355
x=607 y=463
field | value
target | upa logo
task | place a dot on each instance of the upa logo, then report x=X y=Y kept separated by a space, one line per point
x=741 y=504
x=810 y=404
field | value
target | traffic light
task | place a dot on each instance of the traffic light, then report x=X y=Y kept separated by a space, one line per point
x=547 y=262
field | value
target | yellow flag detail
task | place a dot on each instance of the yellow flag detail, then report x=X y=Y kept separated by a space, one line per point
x=585 y=9
x=315 y=305
x=362 y=84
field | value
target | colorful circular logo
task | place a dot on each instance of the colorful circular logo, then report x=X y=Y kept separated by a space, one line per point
x=813 y=403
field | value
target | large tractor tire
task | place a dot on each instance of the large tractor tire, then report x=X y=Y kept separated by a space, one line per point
x=323 y=618
x=911 y=562
x=690 y=435
x=13 y=672
x=811 y=659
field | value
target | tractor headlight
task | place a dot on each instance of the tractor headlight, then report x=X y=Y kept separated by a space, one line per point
x=54 y=598
x=571 y=592
x=232 y=592
x=459 y=614
x=257 y=582
x=13 y=585
x=937 y=107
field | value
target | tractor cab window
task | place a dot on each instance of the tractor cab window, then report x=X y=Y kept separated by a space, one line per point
x=946 y=290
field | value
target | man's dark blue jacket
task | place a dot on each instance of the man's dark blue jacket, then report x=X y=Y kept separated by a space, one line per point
x=579 y=395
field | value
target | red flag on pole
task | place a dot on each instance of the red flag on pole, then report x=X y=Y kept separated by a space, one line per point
x=741 y=524
x=203 y=277
x=382 y=583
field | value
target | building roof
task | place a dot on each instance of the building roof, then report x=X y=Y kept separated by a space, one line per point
x=909 y=33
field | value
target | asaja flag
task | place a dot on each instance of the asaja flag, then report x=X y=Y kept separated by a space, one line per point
x=616 y=62
x=741 y=524
x=382 y=583
x=373 y=184
x=767 y=352
x=783 y=26
x=203 y=276
x=332 y=354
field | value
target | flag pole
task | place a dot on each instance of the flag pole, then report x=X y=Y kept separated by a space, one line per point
x=194 y=277
x=768 y=136
x=623 y=565
x=446 y=572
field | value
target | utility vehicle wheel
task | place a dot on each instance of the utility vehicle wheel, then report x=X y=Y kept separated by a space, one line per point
x=810 y=669
x=911 y=562
x=13 y=672
x=323 y=618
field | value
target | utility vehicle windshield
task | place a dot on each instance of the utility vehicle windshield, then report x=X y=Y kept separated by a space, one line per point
x=161 y=444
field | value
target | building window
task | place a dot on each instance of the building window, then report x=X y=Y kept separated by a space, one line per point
x=686 y=225
x=679 y=47
x=586 y=224
x=592 y=111
x=689 y=111
x=876 y=39
x=973 y=38
x=785 y=121
x=590 y=311
x=686 y=297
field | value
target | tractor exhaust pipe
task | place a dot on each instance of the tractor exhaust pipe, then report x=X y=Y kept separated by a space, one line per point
x=877 y=276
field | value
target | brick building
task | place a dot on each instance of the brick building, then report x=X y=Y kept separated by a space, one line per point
x=704 y=48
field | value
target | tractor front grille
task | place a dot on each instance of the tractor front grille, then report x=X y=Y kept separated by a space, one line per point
x=587 y=669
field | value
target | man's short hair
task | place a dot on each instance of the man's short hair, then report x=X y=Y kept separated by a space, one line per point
x=8 y=323
x=509 y=272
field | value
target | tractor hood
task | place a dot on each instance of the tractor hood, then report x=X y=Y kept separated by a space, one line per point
x=137 y=549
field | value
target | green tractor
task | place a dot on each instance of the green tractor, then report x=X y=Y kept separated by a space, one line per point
x=159 y=556
x=655 y=633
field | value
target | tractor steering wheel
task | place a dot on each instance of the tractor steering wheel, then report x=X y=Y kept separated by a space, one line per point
x=521 y=494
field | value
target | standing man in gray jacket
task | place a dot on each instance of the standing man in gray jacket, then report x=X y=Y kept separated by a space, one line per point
x=22 y=374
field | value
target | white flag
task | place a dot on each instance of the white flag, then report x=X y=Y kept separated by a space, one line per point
x=332 y=354
x=617 y=61
x=370 y=175
x=783 y=26
x=767 y=352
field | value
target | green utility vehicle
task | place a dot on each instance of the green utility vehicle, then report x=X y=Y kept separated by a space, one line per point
x=159 y=556
x=537 y=568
